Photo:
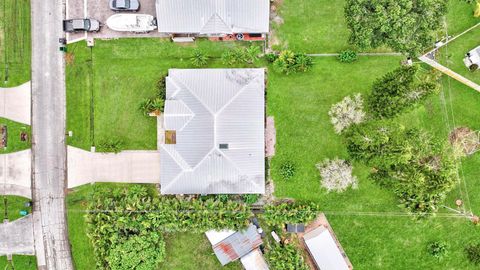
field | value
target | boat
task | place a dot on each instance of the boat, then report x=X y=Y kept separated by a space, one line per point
x=137 y=23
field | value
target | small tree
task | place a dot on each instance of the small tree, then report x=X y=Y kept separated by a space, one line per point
x=287 y=170
x=199 y=59
x=252 y=53
x=347 y=112
x=336 y=175
x=398 y=91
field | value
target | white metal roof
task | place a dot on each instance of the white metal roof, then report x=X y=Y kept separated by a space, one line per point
x=254 y=261
x=216 y=237
x=324 y=250
x=206 y=108
x=213 y=16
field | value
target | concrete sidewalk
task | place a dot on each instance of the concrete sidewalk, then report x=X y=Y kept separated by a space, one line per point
x=15 y=103
x=15 y=174
x=125 y=167
x=17 y=237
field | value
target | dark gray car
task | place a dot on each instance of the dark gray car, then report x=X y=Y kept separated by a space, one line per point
x=76 y=25
x=124 y=5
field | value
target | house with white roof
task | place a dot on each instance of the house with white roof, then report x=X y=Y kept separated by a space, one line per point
x=213 y=17
x=214 y=121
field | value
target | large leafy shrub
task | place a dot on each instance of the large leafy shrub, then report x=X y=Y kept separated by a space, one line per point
x=437 y=249
x=473 y=253
x=285 y=257
x=336 y=175
x=347 y=56
x=406 y=26
x=139 y=252
x=289 y=62
x=297 y=212
x=398 y=91
x=199 y=58
x=287 y=170
x=241 y=55
x=420 y=169
x=347 y=112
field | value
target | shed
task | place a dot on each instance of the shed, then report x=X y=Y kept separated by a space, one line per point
x=254 y=260
x=237 y=245
x=323 y=248
x=472 y=59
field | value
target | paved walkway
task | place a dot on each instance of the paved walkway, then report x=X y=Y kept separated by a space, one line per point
x=15 y=103
x=17 y=237
x=450 y=72
x=125 y=167
x=15 y=174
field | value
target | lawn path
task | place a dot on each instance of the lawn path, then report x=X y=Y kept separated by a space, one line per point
x=360 y=54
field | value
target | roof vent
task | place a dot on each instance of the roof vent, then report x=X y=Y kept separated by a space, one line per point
x=223 y=146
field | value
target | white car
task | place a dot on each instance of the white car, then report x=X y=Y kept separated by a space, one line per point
x=137 y=23
x=472 y=59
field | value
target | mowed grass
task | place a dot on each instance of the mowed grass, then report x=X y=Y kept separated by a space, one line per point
x=13 y=205
x=189 y=251
x=106 y=84
x=453 y=53
x=396 y=242
x=22 y=262
x=14 y=130
x=460 y=16
x=300 y=105
x=14 y=42
x=313 y=26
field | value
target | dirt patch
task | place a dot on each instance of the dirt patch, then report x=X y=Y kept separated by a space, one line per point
x=275 y=17
x=69 y=58
x=465 y=141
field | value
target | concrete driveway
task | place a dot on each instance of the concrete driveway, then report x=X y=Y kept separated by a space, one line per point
x=17 y=237
x=15 y=174
x=100 y=11
x=15 y=103
x=125 y=167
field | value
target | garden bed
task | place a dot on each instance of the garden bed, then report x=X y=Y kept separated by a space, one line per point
x=11 y=136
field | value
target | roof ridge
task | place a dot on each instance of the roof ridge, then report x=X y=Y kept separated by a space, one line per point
x=212 y=20
x=219 y=111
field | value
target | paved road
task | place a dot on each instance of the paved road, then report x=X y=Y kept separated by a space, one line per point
x=17 y=237
x=15 y=103
x=48 y=130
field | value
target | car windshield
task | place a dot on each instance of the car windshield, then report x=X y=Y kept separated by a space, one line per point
x=123 y=3
x=87 y=24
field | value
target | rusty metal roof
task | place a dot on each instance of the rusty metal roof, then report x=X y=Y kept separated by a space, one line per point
x=237 y=245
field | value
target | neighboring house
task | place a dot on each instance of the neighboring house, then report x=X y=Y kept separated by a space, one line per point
x=214 y=18
x=472 y=59
x=229 y=246
x=215 y=132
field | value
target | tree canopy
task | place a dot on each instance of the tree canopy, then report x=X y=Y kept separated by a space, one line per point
x=406 y=26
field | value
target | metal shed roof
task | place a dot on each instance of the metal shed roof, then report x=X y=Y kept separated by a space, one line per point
x=237 y=245
x=254 y=261
x=208 y=108
x=213 y=16
x=324 y=250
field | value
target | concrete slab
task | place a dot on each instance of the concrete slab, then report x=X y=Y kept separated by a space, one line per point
x=15 y=103
x=15 y=173
x=125 y=167
x=17 y=237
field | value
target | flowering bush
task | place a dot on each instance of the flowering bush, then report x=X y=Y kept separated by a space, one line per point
x=347 y=112
x=336 y=175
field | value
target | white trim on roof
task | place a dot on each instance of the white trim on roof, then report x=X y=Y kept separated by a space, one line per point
x=324 y=250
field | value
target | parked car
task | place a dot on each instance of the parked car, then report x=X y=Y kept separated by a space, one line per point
x=75 y=25
x=124 y=5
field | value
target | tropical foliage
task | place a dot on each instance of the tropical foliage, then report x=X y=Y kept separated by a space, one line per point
x=418 y=167
x=347 y=112
x=406 y=26
x=336 y=175
x=289 y=62
x=285 y=257
x=296 y=212
x=398 y=91
x=347 y=56
x=125 y=221
x=241 y=55
x=199 y=58
x=438 y=249
x=287 y=170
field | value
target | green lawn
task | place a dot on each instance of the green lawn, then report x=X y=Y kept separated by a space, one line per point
x=10 y=207
x=3 y=263
x=189 y=251
x=14 y=129
x=105 y=86
x=24 y=262
x=14 y=42
x=460 y=16
x=313 y=26
x=453 y=53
